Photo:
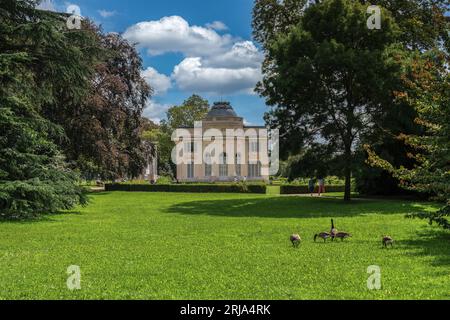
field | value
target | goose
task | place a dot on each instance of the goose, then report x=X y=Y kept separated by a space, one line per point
x=343 y=235
x=295 y=239
x=333 y=230
x=387 y=240
x=323 y=235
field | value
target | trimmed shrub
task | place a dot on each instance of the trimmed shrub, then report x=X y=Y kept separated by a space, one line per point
x=189 y=188
x=293 y=189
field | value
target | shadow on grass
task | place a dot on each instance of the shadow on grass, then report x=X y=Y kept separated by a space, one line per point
x=293 y=207
x=98 y=193
x=433 y=243
x=49 y=217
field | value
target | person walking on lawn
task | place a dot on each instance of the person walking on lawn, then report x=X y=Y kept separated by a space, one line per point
x=321 y=186
x=311 y=186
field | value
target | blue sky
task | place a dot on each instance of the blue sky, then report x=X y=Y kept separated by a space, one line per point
x=188 y=46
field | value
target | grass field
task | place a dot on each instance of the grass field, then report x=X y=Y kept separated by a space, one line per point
x=223 y=246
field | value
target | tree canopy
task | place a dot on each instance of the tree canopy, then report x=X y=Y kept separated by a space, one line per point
x=192 y=109
x=330 y=77
x=305 y=45
x=34 y=177
x=71 y=102
x=428 y=90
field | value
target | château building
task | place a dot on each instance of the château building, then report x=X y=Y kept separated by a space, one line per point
x=221 y=148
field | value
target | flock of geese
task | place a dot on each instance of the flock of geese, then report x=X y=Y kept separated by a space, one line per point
x=335 y=234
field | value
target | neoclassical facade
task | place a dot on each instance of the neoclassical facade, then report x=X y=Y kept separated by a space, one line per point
x=221 y=148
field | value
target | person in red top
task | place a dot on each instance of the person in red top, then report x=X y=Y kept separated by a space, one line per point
x=321 y=186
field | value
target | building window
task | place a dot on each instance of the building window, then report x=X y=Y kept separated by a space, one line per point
x=208 y=170
x=238 y=165
x=254 y=170
x=254 y=147
x=189 y=147
x=208 y=165
x=190 y=170
x=223 y=166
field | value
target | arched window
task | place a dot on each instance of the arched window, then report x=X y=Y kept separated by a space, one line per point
x=223 y=166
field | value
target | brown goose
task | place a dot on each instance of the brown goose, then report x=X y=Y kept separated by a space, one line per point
x=323 y=235
x=343 y=235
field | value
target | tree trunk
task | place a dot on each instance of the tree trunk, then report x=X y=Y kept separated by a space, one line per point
x=348 y=173
x=348 y=178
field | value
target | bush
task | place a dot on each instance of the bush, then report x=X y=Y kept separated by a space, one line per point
x=302 y=189
x=190 y=188
x=164 y=180
x=329 y=180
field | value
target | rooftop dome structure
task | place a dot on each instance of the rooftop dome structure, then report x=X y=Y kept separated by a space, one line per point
x=221 y=110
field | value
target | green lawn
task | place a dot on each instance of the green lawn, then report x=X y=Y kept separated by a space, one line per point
x=213 y=246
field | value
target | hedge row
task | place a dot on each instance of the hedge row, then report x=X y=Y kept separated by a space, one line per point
x=193 y=188
x=290 y=189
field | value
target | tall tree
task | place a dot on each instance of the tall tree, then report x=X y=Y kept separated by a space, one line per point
x=428 y=90
x=192 y=109
x=422 y=25
x=103 y=127
x=34 y=178
x=331 y=77
x=56 y=81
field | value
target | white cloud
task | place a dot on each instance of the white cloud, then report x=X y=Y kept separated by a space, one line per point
x=158 y=81
x=155 y=111
x=213 y=63
x=47 y=5
x=191 y=75
x=217 y=25
x=106 y=13
x=242 y=55
x=174 y=34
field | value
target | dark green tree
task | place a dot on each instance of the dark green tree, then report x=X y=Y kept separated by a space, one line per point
x=77 y=95
x=331 y=77
x=422 y=25
x=428 y=90
x=312 y=162
x=192 y=109
x=34 y=178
